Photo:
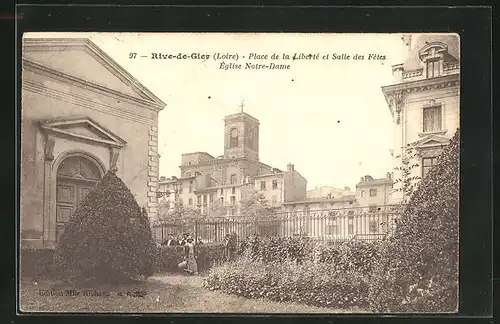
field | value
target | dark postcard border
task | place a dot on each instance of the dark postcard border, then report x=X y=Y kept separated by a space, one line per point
x=474 y=26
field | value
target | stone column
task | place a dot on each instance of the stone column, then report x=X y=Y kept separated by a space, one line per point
x=153 y=165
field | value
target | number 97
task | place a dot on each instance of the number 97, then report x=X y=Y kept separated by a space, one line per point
x=132 y=55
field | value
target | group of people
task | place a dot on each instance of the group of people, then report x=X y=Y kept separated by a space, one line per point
x=189 y=263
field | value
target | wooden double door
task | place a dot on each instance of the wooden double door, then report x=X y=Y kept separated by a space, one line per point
x=76 y=177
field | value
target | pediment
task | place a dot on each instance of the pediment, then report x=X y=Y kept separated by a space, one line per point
x=83 y=128
x=83 y=60
x=433 y=140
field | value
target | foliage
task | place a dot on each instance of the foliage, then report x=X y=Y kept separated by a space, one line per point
x=108 y=237
x=316 y=284
x=350 y=256
x=178 y=212
x=407 y=183
x=255 y=205
x=277 y=249
x=418 y=270
x=327 y=276
x=170 y=256
x=218 y=209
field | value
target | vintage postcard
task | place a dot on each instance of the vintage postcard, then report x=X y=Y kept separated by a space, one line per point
x=239 y=173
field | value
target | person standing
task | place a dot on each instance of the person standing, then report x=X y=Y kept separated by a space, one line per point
x=170 y=241
x=190 y=253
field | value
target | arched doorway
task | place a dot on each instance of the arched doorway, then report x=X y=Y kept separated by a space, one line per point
x=76 y=176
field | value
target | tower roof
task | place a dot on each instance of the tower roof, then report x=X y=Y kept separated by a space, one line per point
x=242 y=115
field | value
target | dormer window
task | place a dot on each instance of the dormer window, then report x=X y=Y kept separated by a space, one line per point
x=433 y=68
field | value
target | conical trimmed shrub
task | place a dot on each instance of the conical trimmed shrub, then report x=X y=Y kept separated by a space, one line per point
x=108 y=237
x=419 y=269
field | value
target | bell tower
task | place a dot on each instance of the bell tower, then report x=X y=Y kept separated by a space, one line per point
x=241 y=136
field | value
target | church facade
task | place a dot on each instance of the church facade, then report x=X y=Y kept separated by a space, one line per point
x=81 y=115
x=224 y=181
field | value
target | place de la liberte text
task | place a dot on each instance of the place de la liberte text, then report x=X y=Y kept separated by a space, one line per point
x=274 y=66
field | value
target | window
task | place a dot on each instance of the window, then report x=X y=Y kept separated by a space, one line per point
x=233 y=138
x=262 y=185
x=427 y=164
x=190 y=201
x=222 y=200
x=233 y=178
x=373 y=226
x=222 y=191
x=373 y=209
x=433 y=68
x=274 y=199
x=432 y=119
x=180 y=189
x=204 y=199
x=331 y=228
x=275 y=184
x=373 y=192
x=212 y=198
x=350 y=225
x=363 y=193
x=233 y=190
x=191 y=186
x=233 y=200
x=198 y=200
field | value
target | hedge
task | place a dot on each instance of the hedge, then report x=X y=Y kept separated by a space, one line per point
x=418 y=270
x=108 y=237
x=277 y=249
x=327 y=276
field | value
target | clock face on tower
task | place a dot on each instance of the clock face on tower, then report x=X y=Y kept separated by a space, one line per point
x=234 y=133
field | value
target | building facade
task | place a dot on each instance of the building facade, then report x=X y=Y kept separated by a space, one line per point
x=424 y=100
x=328 y=192
x=372 y=194
x=228 y=179
x=82 y=114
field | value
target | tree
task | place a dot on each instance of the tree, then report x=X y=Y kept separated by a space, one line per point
x=407 y=182
x=418 y=271
x=108 y=237
x=256 y=205
x=218 y=209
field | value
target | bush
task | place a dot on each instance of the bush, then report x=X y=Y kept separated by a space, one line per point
x=418 y=270
x=277 y=249
x=108 y=237
x=352 y=255
x=170 y=256
x=311 y=283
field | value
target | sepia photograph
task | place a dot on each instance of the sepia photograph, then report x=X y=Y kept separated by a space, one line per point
x=239 y=173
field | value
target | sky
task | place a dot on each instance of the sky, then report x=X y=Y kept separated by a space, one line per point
x=327 y=117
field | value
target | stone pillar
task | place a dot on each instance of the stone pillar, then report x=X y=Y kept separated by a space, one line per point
x=153 y=165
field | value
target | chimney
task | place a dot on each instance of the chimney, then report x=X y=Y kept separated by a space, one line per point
x=290 y=167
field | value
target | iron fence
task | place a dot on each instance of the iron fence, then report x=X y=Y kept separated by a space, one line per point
x=326 y=225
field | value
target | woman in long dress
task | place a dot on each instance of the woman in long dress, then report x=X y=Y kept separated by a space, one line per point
x=191 y=255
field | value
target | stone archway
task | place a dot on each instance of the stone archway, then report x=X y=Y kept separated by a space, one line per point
x=76 y=176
